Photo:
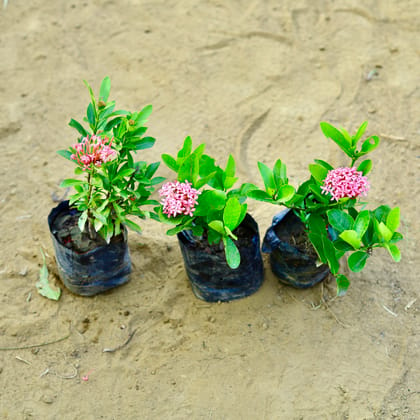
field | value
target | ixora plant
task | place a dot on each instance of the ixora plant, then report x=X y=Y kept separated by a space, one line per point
x=329 y=206
x=218 y=239
x=114 y=185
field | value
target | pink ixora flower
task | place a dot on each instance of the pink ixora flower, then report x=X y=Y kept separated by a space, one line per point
x=92 y=151
x=179 y=198
x=345 y=182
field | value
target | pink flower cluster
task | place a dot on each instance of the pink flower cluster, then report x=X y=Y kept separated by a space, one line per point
x=92 y=151
x=345 y=182
x=179 y=198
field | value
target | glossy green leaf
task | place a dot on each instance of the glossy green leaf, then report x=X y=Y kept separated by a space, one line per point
x=65 y=154
x=82 y=220
x=357 y=261
x=339 y=220
x=352 y=238
x=70 y=182
x=105 y=89
x=383 y=231
x=132 y=225
x=268 y=177
x=361 y=223
x=360 y=132
x=381 y=213
x=317 y=243
x=230 y=167
x=280 y=173
x=370 y=144
x=335 y=135
x=318 y=172
x=365 y=166
x=260 y=196
x=326 y=165
x=343 y=284
x=285 y=193
x=143 y=115
x=90 y=113
x=217 y=225
x=330 y=254
x=185 y=150
x=394 y=251
x=210 y=200
x=232 y=213
x=393 y=219
x=75 y=124
x=233 y=257
x=396 y=237
x=170 y=162
x=145 y=143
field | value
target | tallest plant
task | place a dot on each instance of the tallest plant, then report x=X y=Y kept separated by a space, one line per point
x=115 y=185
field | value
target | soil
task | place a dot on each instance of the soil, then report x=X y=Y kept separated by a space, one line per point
x=254 y=79
x=66 y=229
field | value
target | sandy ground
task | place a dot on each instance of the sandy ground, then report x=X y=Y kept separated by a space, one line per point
x=252 y=78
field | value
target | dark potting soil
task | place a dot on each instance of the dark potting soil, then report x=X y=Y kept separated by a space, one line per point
x=295 y=235
x=243 y=233
x=67 y=232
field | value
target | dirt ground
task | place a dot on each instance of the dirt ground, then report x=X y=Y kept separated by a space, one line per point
x=253 y=78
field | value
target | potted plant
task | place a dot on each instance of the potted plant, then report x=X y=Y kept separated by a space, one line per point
x=219 y=240
x=325 y=217
x=89 y=230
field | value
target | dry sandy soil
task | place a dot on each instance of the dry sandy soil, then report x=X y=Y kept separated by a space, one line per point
x=249 y=77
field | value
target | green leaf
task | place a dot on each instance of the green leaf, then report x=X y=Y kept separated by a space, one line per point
x=73 y=123
x=339 y=220
x=285 y=193
x=260 y=196
x=326 y=165
x=394 y=251
x=90 y=113
x=341 y=245
x=170 y=162
x=318 y=172
x=232 y=213
x=210 y=200
x=365 y=166
x=381 y=213
x=360 y=132
x=335 y=135
x=65 y=154
x=383 y=231
x=82 y=220
x=230 y=167
x=280 y=173
x=316 y=224
x=343 y=284
x=113 y=123
x=217 y=225
x=317 y=243
x=233 y=257
x=133 y=226
x=43 y=286
x=369 y=145
x=352 y=238
x=268 y=178
x=70 y=182
x=143 y=115
x=105 y=89
x=330 y=254
x=357 y=261
x=393 y=219
x=185 y=151
x=396 y=237
x=361 y=223
x=145 y=143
